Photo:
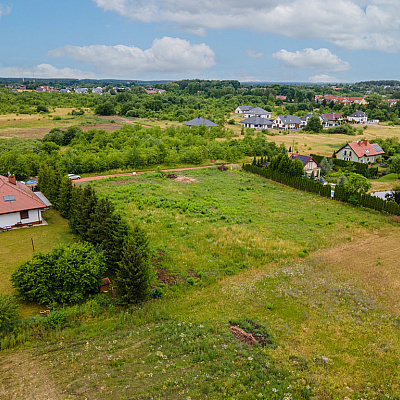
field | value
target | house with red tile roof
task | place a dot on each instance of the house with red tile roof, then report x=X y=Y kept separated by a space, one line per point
x=19 y=206
x=361 y=151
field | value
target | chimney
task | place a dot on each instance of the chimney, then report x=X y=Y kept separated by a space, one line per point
x=12 y=179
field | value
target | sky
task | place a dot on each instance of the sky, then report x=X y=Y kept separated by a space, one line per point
x=316 y=41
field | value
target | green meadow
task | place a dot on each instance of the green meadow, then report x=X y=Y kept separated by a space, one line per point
x=230 y=249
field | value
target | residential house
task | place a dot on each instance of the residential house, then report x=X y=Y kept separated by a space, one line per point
x=153 y=91
x=257 y=112
x=334 y=119
x=257 y=123
x=306 y=117
x=242 y=109
x=361 y=151
x=97 y=90
x=19 y=206
x=391 y=102
x=200 y=121
x=81 y=90
x=309 y=164
x=280 y=97
x=358 y=117
x=287 y=122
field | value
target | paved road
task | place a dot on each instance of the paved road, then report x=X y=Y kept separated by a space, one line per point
x=95 y=178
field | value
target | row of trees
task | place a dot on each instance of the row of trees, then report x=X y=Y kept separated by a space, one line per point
x=129 y=147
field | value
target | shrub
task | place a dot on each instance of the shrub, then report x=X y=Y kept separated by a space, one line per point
x=67 y=274
x=8 y=310
x=42 y=108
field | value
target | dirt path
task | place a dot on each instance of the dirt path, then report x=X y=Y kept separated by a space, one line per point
x=373 y=262
x=25 y=376
x=95 y=178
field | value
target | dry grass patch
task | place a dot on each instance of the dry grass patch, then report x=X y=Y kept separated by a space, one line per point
x=372 y=261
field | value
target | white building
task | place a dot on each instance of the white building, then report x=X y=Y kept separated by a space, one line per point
x=257 y=123
x=359 y=117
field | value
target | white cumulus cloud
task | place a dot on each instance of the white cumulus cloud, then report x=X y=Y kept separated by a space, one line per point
x=323 y=79
x=46 y=71
x=350 y=24
x=4 y=10
x=166 y=55
x=321 y=60
x=254 y=54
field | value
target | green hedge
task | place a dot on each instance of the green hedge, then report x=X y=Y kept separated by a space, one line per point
x=341 y=194
x=359 y=168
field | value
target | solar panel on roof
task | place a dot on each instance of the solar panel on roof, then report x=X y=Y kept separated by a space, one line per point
x=9 y=197
x=377 y=147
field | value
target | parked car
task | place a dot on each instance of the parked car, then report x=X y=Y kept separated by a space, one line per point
x=73 y=176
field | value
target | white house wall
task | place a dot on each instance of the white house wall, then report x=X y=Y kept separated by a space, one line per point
x=11 y=219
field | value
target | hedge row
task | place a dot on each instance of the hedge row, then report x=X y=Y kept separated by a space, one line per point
x=341 y=194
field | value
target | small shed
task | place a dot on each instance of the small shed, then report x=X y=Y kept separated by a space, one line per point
x=105 y=285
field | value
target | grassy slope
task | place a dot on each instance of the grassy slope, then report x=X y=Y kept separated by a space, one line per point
x=331 y=332
x=334 y=331
x=16 y=247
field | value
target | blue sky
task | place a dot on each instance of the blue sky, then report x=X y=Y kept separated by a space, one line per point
x=257 y=40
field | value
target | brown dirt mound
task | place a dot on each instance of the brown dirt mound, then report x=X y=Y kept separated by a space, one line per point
x=243 y=336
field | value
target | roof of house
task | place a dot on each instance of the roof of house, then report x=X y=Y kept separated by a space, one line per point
x=358 y=114
x=257 y=121
x=303 y=159
x=333 y=116
x=18 y=197
x=307 y=116
x=258 y=110
x=364 y=148
x=200 y=121
x=289 y=119
x=244 y=108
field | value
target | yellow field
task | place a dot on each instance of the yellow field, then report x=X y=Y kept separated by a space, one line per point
x=35 y=126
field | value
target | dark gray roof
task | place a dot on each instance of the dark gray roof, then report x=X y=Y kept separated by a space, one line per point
x=200 y=121
x=289 y=119
x=324 y=119
x=358 y=114
x=245 y=108
x=258 y=110
x=303 y=159
x=257 y=121
x=376 y=147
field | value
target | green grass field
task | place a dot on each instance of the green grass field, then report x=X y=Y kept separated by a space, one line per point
x=234 y=246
